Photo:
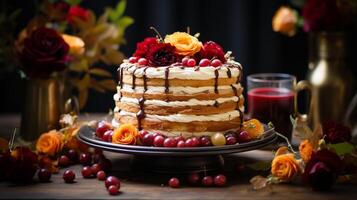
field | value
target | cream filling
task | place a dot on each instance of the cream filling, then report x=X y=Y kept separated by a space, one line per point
x=177 y=89
x=191 y=102
x=188 y=118
x=178 y=72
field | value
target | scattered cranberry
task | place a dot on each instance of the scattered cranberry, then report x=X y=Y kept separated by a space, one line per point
x=205 y=141
x=96 y=168
x=216 y=63
x=174 y=182
x=85 y=159
x=181 y=144
x=207 y=181
x=113 y=190
x=204 y=62
x=107 y=136
x=189 y=143
x=193 y=178
x=231 y=140
x=143 y=61
x=220 y=180
x=112 y=180
x=170 y=142
x=69 y=176
x=184 y=61
x=148 y=139
x=101 y=175
x=133 y=59
x=106 y=164
x=102 y=127
x=243 y=137
x=44 y=175
x=73 y=155
x=87 y=172
x=159 y=141
x=64 y=161
x=191 y=62
x=96 y=158
x=142 y=133
x=196 y=141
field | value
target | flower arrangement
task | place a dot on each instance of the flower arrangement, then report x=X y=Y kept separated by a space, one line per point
x=325 y=155
x=67 y=38
x=176 y=48
x=315 y=15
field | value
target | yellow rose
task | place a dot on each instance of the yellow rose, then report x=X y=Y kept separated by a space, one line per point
x=76 y=44
x=306 y=149
x=285 y=167
x=50 y=143
x=186 y=44
x=125 y=134
x=284 y=21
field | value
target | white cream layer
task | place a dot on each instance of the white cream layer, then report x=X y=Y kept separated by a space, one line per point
x=177 y=89
x=178 y=72
x=191 y=102
x=188 y=118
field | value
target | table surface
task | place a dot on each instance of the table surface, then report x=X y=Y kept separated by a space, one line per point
x=144 y=185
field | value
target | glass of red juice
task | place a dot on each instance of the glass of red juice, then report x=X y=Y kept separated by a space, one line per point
x=271 y=98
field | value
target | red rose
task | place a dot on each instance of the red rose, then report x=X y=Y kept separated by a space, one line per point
x=336 y=133
x=212 y=50
x=43 y=52
x=322 y=169
x=320 y=15
x=162 y=54
x=142 y=48
x=77 y=12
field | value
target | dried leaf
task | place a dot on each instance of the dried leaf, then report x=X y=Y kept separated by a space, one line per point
x=108 y=84
x=259 y=182
x=100 y=72
x=96 y=86
x=79 y=65
x=82 y=98
x=83 y=84
x=282 y=150
x=112 y=57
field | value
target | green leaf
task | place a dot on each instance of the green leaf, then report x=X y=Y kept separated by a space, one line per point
x=342 y=148
x=114 y=15
x=73 y=2
x=124 y=22
x=260 y=166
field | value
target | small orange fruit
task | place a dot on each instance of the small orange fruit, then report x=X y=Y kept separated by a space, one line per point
x=254 y=128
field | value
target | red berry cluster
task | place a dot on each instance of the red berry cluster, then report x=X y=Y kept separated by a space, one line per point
x=195 y=179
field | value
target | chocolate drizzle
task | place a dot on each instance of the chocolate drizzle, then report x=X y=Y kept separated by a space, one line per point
x=167 y=72
x=216 y=75
x=121 y=77
x=229 y=73
x=133 y=85
x=141 y=114
x=216 y=104
x=145 y=79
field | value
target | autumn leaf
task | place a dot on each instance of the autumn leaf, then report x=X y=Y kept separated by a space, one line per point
x=100 y=72
x=82 y=98
x=112 y=57
x=108 y=84
x=96 y=86
x=259 y=182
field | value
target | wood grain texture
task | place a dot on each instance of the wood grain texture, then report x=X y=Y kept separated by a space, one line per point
x=144 y=185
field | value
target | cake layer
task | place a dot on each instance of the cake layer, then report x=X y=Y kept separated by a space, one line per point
x=159 y=109
x=230 y=69
x=150 y=123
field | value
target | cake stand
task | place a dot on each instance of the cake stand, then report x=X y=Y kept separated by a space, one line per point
x=176 y=160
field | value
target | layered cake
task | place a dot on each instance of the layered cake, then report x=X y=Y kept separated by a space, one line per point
x=179 y=86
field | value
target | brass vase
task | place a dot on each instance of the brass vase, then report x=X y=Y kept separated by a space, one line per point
x=45 y=101
x=330 y=76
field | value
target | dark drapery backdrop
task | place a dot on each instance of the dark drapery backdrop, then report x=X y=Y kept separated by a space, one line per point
x=242 y=26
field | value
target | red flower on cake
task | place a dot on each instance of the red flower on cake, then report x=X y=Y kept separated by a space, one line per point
x=162 y=54
x=142 y=48
x=43 y=52
x=336 y=133
x=77 y=13
x=212 y=50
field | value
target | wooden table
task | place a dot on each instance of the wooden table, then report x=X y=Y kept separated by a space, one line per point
x=144 y=185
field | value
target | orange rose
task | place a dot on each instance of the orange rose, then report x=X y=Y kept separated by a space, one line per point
x=125 y=134
x=285 y=20
x=306 y=149
x=76 y=44
x=186 y=44
x=285 y=167
x=50 y=143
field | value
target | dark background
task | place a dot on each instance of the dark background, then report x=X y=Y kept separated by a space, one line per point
x=242 y=26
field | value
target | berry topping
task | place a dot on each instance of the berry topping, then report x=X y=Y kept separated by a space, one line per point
x=133 y=59
x=191 y=62
x=142 y=61
x=204 y=62
x=216 y=63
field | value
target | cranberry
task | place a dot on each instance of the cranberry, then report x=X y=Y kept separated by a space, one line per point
x=220 y=180
x=189 y=143
x=191 y=62
x=231 y=140
x=196 y=141
x=243 y=137
x=133 y=59
x=96 y=168
x=64 y=161
x=69 y=176
x=87 y=172
x=174 y=182
x=101 y=175
x=170 y=142
x=159 y=141
x=179 y=138
x=143 y=61
x=85 y=159
x=112 y=180
x=181 y=144
x=207 y=181
x=205 y=141
x=73 y=155
x=142 y=133
x=113 y=190
x=102 y=127
x=193 y=178
x=204 y=62
x=216 y=63
x=44 y=175
x=148 y=139
x=107 y=136
x=184 y=61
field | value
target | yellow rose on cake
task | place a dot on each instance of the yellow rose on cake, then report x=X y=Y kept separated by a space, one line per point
x=185 y=44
